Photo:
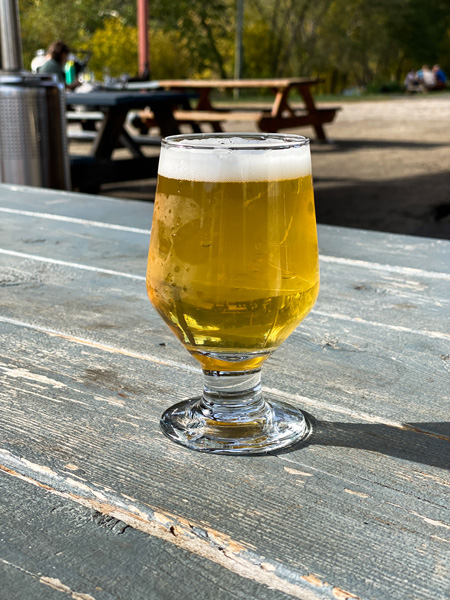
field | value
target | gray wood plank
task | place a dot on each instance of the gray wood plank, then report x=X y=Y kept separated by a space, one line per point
x=319 y=518
x=365 y=366
x=361 y=291
x=52 y=546
x=339 y=242
x=384 y=248
x=103 y=209
x=117 y=249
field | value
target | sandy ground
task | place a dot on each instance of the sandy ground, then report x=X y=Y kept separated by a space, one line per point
x=387 y=168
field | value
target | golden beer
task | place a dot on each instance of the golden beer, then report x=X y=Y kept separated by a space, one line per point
x=233 y=259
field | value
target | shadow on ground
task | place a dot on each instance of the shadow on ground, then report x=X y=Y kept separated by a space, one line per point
x=418 y=205
x=414 y=205
x=352 y=145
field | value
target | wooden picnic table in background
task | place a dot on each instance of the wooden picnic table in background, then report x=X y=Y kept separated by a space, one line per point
x=281 y=115
x=95 y=503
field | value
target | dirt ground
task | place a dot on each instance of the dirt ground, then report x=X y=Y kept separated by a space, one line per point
x=387 y=168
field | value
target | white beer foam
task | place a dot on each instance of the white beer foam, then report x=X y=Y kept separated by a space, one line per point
x=228 y=164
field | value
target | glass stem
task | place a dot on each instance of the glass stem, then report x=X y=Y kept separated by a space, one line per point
x=233 y=396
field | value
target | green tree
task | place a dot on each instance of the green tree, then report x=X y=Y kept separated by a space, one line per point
x=114 y=48
x=347 y=42
x=421 y=27
x=169 y=56
x=45 y=21
x=292 y=29
x=352 y=43
x=207 y=29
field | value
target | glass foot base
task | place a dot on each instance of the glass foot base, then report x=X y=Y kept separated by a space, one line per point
x=277 y=426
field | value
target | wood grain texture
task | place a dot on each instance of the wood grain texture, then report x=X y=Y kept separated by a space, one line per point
x=87 y=367
x=98 y=209
x=374 y=361
x=338 y=494
x=53 y=547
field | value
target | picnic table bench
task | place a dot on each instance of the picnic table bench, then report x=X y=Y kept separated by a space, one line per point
x=91 y=121
x=95 y=503
x=281 y=115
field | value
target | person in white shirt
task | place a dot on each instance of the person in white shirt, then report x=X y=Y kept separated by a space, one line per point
x=427 y=77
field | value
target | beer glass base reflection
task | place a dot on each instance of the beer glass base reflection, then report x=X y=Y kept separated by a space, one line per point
x=278 y=426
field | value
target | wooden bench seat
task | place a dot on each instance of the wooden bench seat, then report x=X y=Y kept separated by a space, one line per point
x=209 y=116
x=87 y=119
x=205 y=116
x=89 y=136
x=263 y=118
x=84 y=115
x=300 y=119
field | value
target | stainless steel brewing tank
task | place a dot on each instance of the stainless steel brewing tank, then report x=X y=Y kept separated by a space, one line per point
x=33 y=141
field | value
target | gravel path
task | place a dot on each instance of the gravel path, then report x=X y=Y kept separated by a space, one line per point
x=389 y=168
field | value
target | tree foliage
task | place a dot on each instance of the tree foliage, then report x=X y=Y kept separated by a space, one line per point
x=207 y=29
x=347 y=42
x=114 y=49
x=45 y=21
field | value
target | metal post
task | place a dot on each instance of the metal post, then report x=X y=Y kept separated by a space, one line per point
x=144 y=51
x=239 y=50
x=11 y=43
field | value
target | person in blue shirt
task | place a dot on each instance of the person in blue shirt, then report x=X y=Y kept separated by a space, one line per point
x=440 y=78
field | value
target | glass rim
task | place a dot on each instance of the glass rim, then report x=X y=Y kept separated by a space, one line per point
x=185 y=141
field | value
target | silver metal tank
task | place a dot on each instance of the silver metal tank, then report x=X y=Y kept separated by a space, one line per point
x=33 y=141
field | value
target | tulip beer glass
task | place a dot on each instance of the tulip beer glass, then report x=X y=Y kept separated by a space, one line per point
x=233 y=269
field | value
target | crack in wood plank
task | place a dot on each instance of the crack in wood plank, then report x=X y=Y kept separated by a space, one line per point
x=17 y=372
x=103 y=347
x=355 y=493
x=296 y=472
x=56 y=584
x=352 y=413
x=341 y=594
x=50 y=581
x=203 y=541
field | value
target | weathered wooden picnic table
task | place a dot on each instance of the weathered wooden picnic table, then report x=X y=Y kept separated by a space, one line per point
x=96 y=503
x=281 y=115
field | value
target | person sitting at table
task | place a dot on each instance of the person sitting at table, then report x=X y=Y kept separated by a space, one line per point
x=411 y=82
x=440 y=78
x=59 y=53
x=426 y=78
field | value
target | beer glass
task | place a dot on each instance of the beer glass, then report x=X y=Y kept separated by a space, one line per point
x=233 y=269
